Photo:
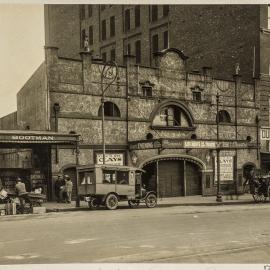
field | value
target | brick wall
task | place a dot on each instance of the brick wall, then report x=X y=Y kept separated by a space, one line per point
x=32 y=102
x=217 y=35
x=81 y=100
x=9 y=121
x=62 y=29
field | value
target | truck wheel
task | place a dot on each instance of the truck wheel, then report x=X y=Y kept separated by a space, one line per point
x=151 y=200
x=93 y=204
x=111 y=201
x=259 y=197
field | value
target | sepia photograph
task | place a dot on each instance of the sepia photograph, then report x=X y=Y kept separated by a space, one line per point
x=135 y=134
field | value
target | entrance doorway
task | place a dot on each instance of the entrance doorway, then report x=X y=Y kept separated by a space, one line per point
x=173 y=177
x=247 y=168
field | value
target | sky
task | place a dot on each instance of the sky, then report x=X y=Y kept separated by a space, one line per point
x=22 y=42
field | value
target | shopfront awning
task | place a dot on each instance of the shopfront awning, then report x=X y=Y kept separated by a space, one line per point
x=10 y=138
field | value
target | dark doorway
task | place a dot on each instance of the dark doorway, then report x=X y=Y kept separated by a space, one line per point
x=193 y=179
x=175 y=178
x=246 y=171
x=171 y=178
x=149 y=178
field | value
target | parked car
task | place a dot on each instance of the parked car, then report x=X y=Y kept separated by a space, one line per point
x=106 y=185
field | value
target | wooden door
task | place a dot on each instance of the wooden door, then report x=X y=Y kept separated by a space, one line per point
x=171 y=178
x=193 y=179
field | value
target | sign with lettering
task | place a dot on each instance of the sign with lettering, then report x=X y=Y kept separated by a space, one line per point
x=199 y=144
x=226 y=168
x=145 y=145
x=265 y=133
x=32 y=138
x=110 y=158
x=189 y=144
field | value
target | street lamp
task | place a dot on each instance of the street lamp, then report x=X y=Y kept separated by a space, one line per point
x=219 y=195
x=110 y=74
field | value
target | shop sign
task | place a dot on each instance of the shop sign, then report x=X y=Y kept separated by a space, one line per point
x=43 y=138
x=199 y=144
x=227 y=153
x=187 y=144
x=226 y=168
x=111 y=158
x=145 y=145
x=265 y=133
x=31 y=138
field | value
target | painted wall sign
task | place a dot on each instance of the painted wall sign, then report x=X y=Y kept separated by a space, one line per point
x=145 y=145
x=110 y=158
x=188 y=144
x=199 y=144
x=226 y=168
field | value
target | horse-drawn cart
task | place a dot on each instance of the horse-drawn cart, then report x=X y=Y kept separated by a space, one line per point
x=260 y=188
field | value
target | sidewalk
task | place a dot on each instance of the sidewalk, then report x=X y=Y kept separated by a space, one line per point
x=162 y=202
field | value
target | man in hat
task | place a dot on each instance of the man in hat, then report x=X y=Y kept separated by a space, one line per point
x=22 y=193
x=68 y=188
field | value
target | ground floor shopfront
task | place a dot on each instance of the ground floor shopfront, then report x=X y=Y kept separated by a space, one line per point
x=194 y=167
x=175 y=167
x=172 y=167
x=27 y=154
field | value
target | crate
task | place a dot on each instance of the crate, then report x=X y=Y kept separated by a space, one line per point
x=39 y=210
x=10 y=208
x=2 y=209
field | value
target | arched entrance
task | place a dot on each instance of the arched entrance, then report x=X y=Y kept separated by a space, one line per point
x=173 y=175
x=247 y=167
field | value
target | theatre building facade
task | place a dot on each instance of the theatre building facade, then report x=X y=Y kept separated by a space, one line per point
x=186 y=130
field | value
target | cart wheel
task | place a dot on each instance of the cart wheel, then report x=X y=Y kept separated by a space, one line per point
x=151 y=200
x=133 y=203
x=111 y=201
x=259 y=197
x=93 y=204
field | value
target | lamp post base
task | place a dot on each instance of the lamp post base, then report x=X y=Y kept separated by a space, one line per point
x=219 y=198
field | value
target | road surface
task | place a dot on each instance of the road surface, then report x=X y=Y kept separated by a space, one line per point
x=180 y=234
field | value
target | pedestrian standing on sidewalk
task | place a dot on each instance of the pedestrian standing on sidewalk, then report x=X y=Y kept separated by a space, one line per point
x=68 y=188
x=62 y=192
x=250 y=180
x=57 y=187
x=22 y=193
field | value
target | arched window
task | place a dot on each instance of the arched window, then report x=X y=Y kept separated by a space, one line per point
x=110 y=109
x=171 y=116
x=224 y=117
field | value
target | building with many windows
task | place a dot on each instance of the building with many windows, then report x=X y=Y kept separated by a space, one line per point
x=225 y=37
x=177 y=126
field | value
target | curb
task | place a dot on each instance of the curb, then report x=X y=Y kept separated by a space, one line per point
x=161 y=205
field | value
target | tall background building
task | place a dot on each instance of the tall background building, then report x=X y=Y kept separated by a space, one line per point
x=220 y=36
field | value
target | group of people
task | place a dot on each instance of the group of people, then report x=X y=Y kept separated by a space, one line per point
x=63 y=188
